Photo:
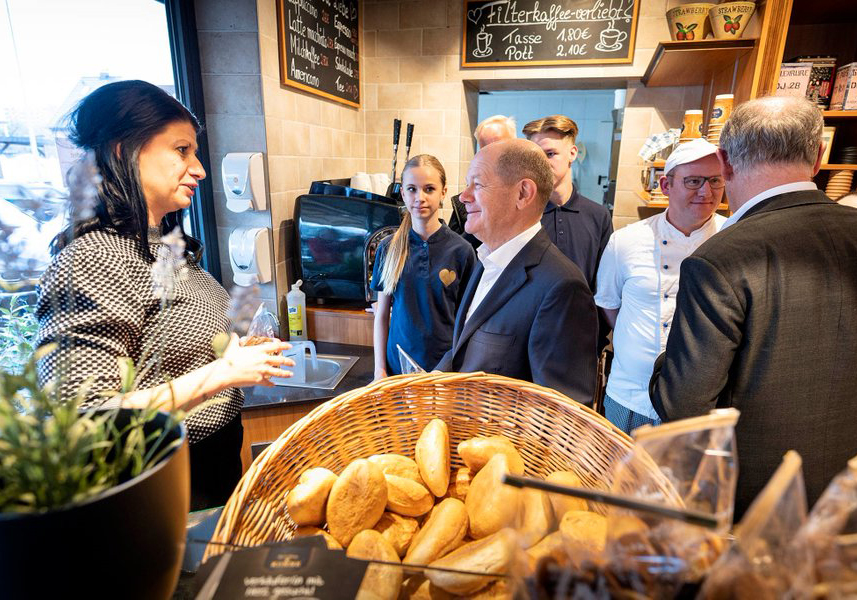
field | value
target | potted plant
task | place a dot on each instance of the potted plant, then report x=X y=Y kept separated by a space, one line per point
x=93 y=503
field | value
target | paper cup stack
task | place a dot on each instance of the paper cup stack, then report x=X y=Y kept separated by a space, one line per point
x=839 y=183
x=719 y=113
x=691 y=127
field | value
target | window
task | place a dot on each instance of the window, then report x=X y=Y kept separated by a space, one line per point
x=54 y=53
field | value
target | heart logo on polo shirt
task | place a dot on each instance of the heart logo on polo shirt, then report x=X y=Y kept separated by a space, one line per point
x=446 y=276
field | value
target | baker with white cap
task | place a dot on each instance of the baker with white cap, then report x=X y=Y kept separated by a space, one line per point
x=638 y=277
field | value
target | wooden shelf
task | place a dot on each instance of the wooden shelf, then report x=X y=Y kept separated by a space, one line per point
x=834 y=167
x=839 y=114
x=823 y=11
x=693 y=63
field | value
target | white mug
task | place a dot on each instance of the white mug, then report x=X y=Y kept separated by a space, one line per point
x=610 y=38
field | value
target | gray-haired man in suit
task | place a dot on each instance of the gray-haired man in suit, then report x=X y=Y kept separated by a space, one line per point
x=527 y=311
x=766 y=317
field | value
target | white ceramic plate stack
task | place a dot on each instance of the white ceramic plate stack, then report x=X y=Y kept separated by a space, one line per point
x=839 y=183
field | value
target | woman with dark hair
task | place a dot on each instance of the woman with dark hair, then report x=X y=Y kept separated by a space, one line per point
x=103 y=296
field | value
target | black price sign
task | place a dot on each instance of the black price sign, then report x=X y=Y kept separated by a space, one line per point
x=514 y=33
x=319 y=51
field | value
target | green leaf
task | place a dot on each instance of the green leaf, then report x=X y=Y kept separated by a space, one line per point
x=679 y=26
x=219 y=343
x=727 y=19
x=127 y=373
x=691 y=27
x=44 y=351
x=738 y=18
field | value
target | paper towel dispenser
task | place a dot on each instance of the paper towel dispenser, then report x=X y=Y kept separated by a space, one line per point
x=250 y=255
x=243 y=175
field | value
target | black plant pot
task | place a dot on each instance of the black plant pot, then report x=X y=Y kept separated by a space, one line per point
x=125 y=543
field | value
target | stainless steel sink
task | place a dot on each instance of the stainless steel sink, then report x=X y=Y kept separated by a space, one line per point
x=328 y=372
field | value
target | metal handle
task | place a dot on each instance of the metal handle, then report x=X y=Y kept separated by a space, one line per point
x=397 y=129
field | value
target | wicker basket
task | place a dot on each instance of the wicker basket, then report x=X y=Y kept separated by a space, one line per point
x=551 y=432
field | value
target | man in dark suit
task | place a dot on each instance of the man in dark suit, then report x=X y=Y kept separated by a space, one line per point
x=766 y=317
x=527 y=312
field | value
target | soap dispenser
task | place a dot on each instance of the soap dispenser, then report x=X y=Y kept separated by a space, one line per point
x=296 y=301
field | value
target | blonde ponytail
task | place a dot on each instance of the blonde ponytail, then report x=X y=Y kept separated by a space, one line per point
x=397 y=251
x=397 y=256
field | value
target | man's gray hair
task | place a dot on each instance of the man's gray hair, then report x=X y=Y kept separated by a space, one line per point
x=502 y=120
x=772 y=130
x=526 y=161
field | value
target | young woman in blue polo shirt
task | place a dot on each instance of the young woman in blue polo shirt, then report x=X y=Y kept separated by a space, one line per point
x=420 y=273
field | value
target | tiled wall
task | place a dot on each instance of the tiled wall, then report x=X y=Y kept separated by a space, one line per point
x=228 y=34
x=308 y=138
x=412 y=71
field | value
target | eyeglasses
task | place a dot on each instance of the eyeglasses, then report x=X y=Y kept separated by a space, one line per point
x=694 y=182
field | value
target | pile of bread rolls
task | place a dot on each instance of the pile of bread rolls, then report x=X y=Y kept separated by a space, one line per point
x=392 y=508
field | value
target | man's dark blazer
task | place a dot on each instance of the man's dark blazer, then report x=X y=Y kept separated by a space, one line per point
x=538 y=323
x=766 y=322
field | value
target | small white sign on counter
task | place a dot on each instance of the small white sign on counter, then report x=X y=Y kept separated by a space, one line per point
x=794 y=79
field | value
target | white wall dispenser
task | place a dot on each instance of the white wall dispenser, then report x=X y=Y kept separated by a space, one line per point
x=243 y=175
x=250 y=255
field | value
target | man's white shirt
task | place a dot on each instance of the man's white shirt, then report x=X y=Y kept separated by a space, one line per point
x=639 y=275
x=496 y=262
x=799 y=186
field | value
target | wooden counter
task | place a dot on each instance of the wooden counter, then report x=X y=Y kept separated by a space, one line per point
x=340 y=325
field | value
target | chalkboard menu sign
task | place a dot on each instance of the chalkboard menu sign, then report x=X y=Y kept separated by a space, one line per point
x=514 y=33
x=319 y=47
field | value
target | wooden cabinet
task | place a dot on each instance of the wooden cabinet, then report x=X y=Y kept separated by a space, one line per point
x=817 y=28
x=749 y=68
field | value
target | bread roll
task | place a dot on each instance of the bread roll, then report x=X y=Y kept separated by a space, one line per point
x=432 y=454
x=476 y=452
x=619 y=525
x=563 y=504
x=537 y=517
x=396 y=464
x=459 y=484
x=381 y=582
x=440 y=534
x=407 y=497
x=307 y=501
x=552 y=545
x=417 y=587
x=491 y=504
x=308 y=531
x=630 y=536
x=584 y=532
x=492 y=555
x=502 y=588
x=356 y=501
x=397 y=530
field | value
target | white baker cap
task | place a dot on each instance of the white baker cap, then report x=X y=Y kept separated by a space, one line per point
x=689 y=152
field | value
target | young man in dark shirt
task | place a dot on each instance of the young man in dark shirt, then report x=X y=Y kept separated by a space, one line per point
x=578 y=226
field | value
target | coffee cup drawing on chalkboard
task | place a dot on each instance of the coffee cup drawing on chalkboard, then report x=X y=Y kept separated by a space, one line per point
x=611 y=39
x=483 y=44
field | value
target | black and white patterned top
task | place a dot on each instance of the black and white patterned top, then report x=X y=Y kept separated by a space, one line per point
x=96 y=299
